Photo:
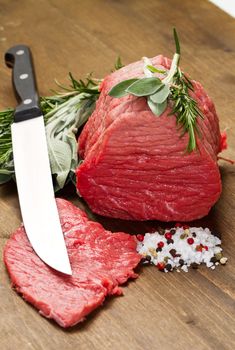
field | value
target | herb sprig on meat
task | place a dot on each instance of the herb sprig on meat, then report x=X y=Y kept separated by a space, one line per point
x=173 y=88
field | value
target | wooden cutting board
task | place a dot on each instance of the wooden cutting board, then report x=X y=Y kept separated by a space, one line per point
x=193 y=310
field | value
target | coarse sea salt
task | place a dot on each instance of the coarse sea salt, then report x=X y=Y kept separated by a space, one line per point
x=181 y=247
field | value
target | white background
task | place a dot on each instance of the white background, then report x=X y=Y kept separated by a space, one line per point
x=226 y=5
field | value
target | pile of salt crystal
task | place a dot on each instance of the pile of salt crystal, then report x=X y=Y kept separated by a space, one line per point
x=181 y=247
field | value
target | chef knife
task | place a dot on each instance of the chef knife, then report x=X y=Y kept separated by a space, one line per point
x=32 y=167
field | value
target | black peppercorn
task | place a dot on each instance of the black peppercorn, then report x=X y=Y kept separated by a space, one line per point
x=173 y=252
x=161 y=231
x=213 y=259
x=181 y=262
x=168 y=267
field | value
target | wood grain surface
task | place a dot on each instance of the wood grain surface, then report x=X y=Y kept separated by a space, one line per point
x=193 y=310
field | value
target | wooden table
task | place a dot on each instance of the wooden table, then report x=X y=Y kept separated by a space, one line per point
x=193 y=310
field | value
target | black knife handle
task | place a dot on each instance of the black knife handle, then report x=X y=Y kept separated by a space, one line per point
x=19 y=58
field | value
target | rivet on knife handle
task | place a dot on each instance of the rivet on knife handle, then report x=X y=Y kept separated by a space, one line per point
x=19 y=58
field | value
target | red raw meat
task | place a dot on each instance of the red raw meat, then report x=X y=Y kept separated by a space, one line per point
x=135 y=165
x=100 y=260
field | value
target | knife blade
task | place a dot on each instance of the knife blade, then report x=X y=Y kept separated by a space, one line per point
x=32 y=167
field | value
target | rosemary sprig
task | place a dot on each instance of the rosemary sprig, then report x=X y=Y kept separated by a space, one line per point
x=173 y=87
x=185 y=108
x=6 y=159
x=89 y=87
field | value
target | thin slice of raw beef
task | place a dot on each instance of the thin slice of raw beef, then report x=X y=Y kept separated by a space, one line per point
x=135 y=165
x=100 y=260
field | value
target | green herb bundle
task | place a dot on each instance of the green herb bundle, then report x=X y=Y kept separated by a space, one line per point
x=63 y=113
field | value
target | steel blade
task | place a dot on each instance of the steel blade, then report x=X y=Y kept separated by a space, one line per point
x=36 y=194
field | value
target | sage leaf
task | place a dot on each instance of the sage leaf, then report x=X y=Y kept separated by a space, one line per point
x=157 y=108
x=60 y=160
x=119 y=90
x=61 y=138
x=144 y=87
x=6 y=175
x=161 y=94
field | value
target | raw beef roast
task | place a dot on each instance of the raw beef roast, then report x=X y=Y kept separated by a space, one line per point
x=135 y=164
x=100 y=260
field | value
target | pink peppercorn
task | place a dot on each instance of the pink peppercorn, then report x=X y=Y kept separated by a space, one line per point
x=205 y=247
x=190 y=240
x=160 y=244
x=168 y=235
x=178 y=224
x=140 y=238
x=161 y=266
